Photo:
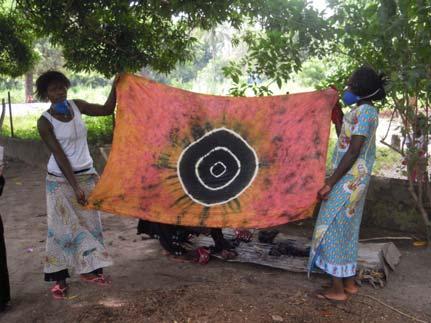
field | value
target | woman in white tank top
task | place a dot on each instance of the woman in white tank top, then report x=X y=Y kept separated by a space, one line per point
x=74 y=239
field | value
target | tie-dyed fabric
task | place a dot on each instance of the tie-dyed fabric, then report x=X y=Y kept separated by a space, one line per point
x=335 y=241
x=201 y=160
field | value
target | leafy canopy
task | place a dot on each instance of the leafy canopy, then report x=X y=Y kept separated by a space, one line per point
x=16 y=53
x=394 y=36
x=109 y=36
x=282 y=35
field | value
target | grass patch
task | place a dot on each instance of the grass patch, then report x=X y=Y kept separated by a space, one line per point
x=25 y=127
x=386 y=160
x=89 y=94
x=99 y=128
x=16 y=95
x=331 y=147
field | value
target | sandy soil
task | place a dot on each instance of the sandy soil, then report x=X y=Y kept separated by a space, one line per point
x=148 y=287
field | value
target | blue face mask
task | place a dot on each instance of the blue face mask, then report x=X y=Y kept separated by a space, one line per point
x=61 y=107
x=350 y=98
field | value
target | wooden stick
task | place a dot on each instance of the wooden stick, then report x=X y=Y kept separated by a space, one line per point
x=386 y=238
x=10 y=114
x=393 y=308
x=392 y=147
x=3 y=112
x=389 y=127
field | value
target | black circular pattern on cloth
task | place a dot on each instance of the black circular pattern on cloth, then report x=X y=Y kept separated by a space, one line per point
x=217 y=167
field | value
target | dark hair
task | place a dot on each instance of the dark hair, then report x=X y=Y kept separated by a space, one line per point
x=44 y=80
x=365 y=81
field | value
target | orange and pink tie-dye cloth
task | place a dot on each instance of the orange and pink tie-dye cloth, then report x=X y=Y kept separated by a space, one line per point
x=201 y=160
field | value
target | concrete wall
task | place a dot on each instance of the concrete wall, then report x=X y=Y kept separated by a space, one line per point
x=388 y=205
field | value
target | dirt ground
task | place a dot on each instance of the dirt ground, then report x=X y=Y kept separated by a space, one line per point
x=148 y=287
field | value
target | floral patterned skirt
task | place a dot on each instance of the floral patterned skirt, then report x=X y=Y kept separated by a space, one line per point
x=74 y=239
x=334 y=247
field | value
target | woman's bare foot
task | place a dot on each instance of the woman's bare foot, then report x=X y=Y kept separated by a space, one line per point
x=348 y=290
x=332 y=295
x=88 y=276
x=335 y=292
x=180 y=259
x=350 y=286
x=351 y=289
x=98 y=279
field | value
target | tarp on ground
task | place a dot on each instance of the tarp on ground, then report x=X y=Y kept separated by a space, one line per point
x=192 y=159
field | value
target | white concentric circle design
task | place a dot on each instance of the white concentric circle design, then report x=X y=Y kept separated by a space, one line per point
x=208 y=154
x=236 y=161
x=219 y=174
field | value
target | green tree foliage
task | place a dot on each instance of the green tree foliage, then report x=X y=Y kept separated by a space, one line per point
x=281 y=36
x=50 y=57
x=120 y=35
x=16 y=42
x=394 y=36
x=123 y=35
x=184 y=73
x=213 y=51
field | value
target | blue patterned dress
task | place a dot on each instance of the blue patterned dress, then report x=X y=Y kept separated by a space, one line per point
x=335 y=240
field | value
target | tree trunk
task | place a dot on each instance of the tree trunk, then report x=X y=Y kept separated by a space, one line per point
x=418 y=198
x=28 y=85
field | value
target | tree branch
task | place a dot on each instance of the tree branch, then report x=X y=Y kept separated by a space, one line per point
x=389 y=127
x=418 y=199
x=392 y=147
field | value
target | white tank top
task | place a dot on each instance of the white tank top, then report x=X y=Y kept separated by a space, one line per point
x=72 y=136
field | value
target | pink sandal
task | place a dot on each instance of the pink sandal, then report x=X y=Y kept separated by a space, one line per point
x=58 y=292
x=243 y=235
x=203 y=255
x=99 y=280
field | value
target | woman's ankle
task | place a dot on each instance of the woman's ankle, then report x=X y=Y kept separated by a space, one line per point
x=89 y=275
x=94 y=273
x=349 y=282
x=62 y=283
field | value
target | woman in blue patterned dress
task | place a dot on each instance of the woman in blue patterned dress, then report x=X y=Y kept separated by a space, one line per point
x=335 y=240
